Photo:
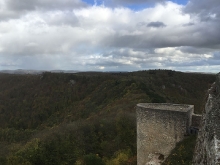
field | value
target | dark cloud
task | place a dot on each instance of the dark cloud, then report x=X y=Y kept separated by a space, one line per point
x=194 y=50
x=14 y=9
x=4 y=16
x=156 y=24
x=200 y=36
x=152 y=40
x=27 y=5
x=207 y=10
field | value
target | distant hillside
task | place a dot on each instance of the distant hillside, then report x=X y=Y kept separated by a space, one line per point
x=77 y=118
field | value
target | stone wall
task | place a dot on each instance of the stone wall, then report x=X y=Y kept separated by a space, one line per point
x=159 y=128
x=207 y=151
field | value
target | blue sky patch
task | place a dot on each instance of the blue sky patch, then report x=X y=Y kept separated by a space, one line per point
x=134 y=6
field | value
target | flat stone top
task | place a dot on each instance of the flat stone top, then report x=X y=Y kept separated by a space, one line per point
x=166 y=106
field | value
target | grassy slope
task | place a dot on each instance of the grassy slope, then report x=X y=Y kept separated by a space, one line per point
x=183 y=153
x=45 y=116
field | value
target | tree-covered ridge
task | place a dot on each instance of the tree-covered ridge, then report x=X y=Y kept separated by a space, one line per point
x=57 y=118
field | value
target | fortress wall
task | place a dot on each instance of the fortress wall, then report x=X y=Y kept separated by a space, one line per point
x=159 y=128
x=207 y=151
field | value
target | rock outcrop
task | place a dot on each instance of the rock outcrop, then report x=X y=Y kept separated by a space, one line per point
x=207 y=151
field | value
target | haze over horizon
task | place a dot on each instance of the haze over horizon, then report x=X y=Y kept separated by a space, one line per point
x=110 y=35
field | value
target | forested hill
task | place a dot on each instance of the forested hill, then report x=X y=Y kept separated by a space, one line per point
x=84 y=118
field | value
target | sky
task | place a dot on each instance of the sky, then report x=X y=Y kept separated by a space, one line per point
x=110 y=35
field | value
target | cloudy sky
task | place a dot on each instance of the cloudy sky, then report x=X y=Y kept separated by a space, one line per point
x=110 y=35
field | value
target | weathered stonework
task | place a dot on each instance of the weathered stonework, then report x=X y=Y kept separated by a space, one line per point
x=207 y=151
x=159 y=128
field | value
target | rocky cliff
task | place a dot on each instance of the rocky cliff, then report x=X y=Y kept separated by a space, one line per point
x=207 y=151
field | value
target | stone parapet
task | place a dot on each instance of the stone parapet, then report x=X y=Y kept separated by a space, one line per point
x=159 y=128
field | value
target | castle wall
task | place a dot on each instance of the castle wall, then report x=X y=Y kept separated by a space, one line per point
x=159 y=128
